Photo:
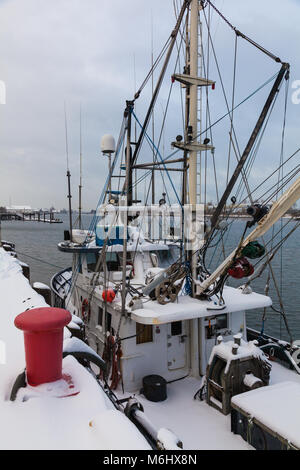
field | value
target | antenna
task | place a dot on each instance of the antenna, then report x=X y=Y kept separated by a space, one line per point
x=108 y=147
x=68 y=174
x=135 y=129
x=80 y=178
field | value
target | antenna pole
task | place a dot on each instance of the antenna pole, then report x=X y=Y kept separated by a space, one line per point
x=193 y=114
x=128 y=199
x=70 y=203
x=80 y=180
x=68 y=177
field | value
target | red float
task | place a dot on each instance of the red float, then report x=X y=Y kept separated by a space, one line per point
x=43 y=338
x=241 y=268
x=108 y=295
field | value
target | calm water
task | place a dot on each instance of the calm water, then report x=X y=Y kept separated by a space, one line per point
x=39 y=241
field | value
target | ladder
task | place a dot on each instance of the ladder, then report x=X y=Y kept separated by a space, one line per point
x=199 y=113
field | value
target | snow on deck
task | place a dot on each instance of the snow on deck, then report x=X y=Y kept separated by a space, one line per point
x=276 y=406
x=87 y=420
x=197 y=425
x=187 y=308
x=202 y=427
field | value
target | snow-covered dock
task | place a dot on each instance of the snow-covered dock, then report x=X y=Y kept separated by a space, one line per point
x=87 y=420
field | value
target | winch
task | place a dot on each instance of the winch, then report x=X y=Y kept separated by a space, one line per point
x=235 y=367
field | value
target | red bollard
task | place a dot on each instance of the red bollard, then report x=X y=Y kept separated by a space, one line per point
x=43 y=338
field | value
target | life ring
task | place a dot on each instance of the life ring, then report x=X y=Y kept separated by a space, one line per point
x=85 y=310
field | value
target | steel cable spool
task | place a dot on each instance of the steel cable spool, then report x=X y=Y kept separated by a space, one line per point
x=169 y=289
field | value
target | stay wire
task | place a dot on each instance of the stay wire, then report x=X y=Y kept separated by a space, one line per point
x=239 y=33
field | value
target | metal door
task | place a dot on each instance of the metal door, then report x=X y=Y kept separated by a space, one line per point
x=176 y=345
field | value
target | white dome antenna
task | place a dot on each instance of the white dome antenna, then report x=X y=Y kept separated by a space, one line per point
x=108 y=145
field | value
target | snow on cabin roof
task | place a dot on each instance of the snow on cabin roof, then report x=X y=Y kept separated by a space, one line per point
x=85 y=421
x=275 y=406
x=145 y=246
x=244 y=350
x=93 y=248
x=187 y=308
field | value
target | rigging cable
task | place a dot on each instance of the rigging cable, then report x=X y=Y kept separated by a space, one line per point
x=239 y=33
x=162 y=160
x=214 y=123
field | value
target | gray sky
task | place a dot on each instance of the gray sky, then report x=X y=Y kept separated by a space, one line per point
x=83 y=51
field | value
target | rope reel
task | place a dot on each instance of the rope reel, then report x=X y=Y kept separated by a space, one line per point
x=169 y=289
x=166 y=292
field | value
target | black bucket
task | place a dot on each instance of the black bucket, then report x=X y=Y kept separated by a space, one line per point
x=154 y=388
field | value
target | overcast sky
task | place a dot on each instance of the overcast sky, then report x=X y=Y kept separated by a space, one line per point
x=83 y=51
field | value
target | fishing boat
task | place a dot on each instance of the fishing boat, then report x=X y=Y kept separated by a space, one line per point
x=173 y=332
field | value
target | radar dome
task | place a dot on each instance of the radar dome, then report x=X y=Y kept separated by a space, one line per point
x=108 y=144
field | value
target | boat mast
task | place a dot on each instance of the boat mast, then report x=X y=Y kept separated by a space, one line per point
x=128 y=198
x=80 y=179
x=192 y=131
x=68 y=177
x=193 y=90
x=153 y=127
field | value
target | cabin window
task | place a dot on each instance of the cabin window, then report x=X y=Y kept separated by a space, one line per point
x=166 y=257
x=112 y=261
x=108 y=321
x=91 y=260
x=154 y=259
x=128 y=257
x=144 y=333
x=176 y=328
x=100 y=316
x=221 y=322
x=79 y=264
